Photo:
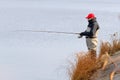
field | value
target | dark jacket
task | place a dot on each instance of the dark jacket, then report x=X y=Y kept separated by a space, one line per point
x=91 y=30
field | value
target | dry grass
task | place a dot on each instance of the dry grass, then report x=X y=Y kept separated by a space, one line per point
x=110 y=47
x=104 y=47
x=85 y=66
x=115 y=45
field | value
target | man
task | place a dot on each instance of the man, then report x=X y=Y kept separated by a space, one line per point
x=91 y=33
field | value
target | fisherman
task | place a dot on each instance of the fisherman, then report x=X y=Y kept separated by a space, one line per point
x=91 y=33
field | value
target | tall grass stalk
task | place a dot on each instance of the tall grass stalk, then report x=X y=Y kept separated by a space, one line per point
x=85 y=66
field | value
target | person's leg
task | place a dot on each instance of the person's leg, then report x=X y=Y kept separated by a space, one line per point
x=94 y=43
x=92 y=46
x=91 y=43
x=88 y=43
x=92 y=54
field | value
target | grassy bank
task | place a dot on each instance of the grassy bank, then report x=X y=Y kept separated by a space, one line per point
x=85 y=65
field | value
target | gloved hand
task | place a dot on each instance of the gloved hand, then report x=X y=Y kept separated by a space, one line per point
x=80 y=36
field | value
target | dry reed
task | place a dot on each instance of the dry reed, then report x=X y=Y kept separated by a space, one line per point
x=110 y=47
x=85 y=66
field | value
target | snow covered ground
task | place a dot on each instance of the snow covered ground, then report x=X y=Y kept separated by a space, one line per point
x=42 y=56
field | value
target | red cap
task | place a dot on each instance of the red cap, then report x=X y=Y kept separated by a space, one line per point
x=90 y=16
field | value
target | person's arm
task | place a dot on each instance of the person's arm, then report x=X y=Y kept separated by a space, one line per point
x=92 y=31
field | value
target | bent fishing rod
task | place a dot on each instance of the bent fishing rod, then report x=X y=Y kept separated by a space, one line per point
x=46 y=31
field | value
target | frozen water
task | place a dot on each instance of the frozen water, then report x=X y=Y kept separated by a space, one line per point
x=42 y=56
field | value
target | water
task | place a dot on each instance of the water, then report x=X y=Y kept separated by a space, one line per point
x=42 y=56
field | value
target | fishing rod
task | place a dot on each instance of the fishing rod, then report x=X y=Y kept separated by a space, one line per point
x=59 y=32
x=47 y=31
